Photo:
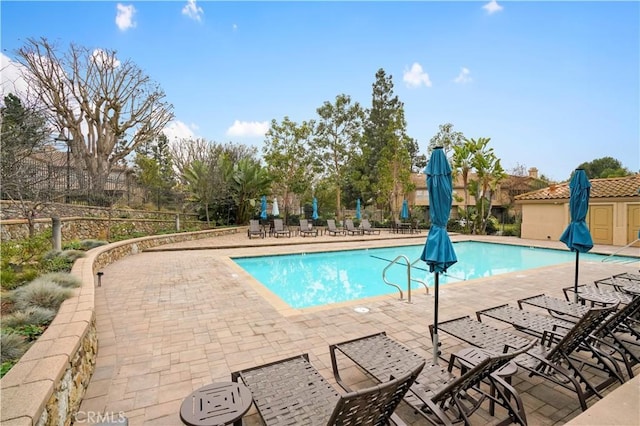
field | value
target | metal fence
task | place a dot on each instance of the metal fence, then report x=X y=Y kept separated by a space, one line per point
x=32 y=179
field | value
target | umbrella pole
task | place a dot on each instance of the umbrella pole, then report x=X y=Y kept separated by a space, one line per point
x=575 y=282
x=435 y=323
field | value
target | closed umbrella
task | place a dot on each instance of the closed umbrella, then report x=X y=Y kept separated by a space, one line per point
x=577 y=236
x=438 y=251
x=314 y=215
x=404 y=213
x=274 y=208
x=263 y=208
x=358 y=215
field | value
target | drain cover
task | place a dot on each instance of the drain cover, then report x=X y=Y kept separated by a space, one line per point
x=361 y=310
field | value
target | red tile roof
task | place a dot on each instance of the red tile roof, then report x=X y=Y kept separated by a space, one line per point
x=628 y=186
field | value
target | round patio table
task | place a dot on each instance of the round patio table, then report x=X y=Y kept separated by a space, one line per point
x=221 y=403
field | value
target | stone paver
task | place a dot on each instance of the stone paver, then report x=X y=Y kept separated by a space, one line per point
x=183 y=315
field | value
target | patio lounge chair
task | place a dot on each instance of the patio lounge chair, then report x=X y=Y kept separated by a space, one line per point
x=279 y=229
x=333 y=230
x=292 y=392
x=607 y=338
x=306 y=229
x=255 y=230
x=620 y=284
x=366 y=227
x=597 y=296
x=351 y=229
x=628 y=276
x=553 y=359
x=556 y=307
x=437 y=394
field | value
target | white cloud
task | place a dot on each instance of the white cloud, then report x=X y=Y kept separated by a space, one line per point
x=464 y=76
x=192 y=10
x=105 y=59
x=176 y=130
x=124 y=17
x=248 y=128
x=416 y=76
x=492 y=7
x=11 y=77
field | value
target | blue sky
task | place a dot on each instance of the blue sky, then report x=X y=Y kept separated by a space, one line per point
x=553 y=84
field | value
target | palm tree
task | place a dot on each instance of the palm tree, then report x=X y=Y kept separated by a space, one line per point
x=462 y=163
x=200 y=185
x=248 y=181
x=490 y=173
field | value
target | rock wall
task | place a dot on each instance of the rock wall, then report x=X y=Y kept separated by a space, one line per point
x=86 y=222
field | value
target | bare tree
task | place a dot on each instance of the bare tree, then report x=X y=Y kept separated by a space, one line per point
x=107 y=106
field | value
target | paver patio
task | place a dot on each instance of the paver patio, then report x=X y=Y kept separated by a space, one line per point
x=179 y=317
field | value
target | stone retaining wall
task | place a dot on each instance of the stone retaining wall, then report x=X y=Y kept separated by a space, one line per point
x=82 y=228
x=47 y=385
x=87 y=222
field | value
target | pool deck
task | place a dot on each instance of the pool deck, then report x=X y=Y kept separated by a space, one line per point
x=180 y=316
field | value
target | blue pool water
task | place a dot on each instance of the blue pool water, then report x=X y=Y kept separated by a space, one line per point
x=314 y=279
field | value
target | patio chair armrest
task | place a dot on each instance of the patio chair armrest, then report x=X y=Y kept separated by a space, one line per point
x=548 y=338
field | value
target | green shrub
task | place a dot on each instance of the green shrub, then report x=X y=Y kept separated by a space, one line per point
x=60 y=261
x=91 y=244
x=32 y=316
x=6 y=366
x=44 y=294
x=72 y=255
x=22 y=252
x=12 y=280
x=30 y=332
x=8 y=279
x=72 y=245
x=12 y=346
x=60 y=278
x=510 y=230
x=492 y=225
x=57 y=264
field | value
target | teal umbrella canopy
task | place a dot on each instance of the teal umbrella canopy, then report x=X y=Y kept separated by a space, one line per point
x=263 y=207
x=577 y=236
x=404 y=213
x=358 y=214
x=438 y=251
x=314 y=215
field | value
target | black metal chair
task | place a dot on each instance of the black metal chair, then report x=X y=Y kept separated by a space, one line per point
x=553 y=358
x=292 y=392
x=437 y=394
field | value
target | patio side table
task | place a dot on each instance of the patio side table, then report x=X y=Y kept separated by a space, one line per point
x=221 y=403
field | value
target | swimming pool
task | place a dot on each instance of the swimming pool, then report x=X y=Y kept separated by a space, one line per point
x=314 y=279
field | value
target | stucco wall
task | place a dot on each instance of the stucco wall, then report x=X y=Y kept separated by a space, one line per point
x=544 y=221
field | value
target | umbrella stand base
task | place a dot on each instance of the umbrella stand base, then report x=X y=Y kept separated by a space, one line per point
x=436 y=349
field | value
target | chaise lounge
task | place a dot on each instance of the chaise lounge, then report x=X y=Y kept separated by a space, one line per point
x=437 y=394
x=292 y=392
x=553 y=359
x=366 y=227
x=351 y=229
x=306 y=229
x=255 y=229
x=279 y=229
x=333 y=230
